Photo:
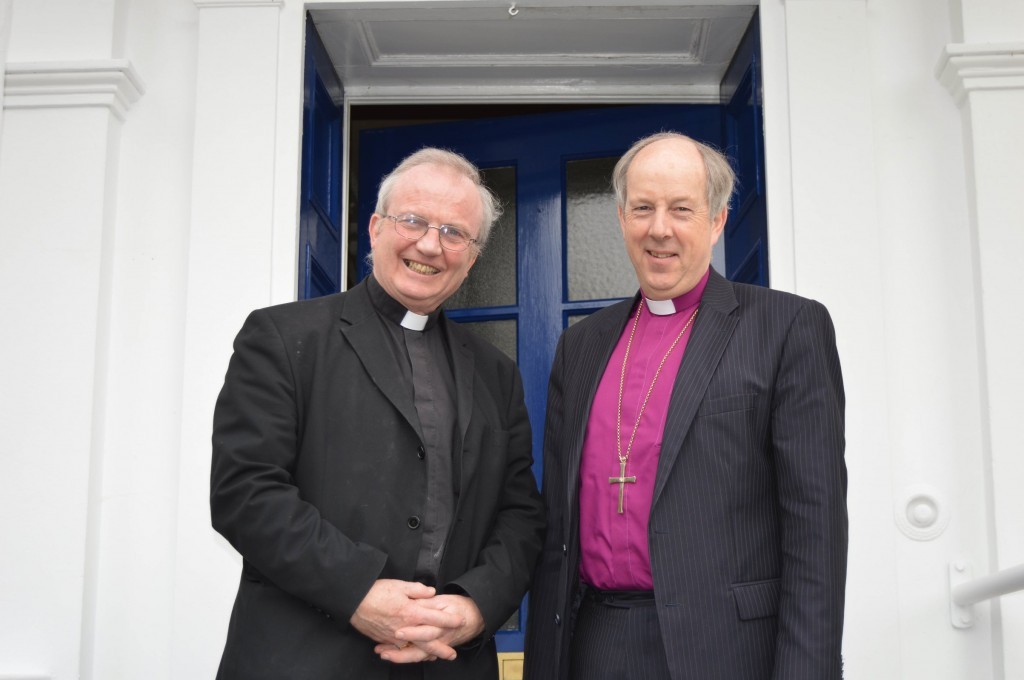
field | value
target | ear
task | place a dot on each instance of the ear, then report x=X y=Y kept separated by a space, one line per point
x=376 y=223
x=622 y=220
x=718 y=224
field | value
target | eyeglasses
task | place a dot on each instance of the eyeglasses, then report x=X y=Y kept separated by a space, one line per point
x=413 y=228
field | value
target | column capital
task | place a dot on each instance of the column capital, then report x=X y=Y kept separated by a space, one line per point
x=965 y=68
x=112 y=84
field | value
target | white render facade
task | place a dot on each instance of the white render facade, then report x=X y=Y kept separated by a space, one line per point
x=137 y=230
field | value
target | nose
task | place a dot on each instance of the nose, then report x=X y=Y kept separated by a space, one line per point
x=430 y=243
x=659 y=225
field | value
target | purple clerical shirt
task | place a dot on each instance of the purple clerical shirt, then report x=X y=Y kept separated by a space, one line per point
x=614 y=551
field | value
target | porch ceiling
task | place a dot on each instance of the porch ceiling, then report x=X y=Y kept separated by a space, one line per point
x=531 y=51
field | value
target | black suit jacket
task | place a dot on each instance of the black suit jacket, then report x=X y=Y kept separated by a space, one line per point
x=317 y=477
x=748 y=528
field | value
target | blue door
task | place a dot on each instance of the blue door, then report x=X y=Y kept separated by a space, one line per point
x=746 y=234
x=320 y=237
x=557 y=253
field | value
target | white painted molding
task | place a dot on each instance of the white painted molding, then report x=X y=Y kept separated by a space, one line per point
x=694 y=54
x=111 y=84
x=532 y=93
x=203 y=4
x=965 y=68
x=690 y=58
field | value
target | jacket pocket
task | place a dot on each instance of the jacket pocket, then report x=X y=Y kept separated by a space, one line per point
x=757 y=600
x=732 y=403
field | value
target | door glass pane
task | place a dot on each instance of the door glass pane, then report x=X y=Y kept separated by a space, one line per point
x=576 y=318
x=596 y=261
x=492 y=281
x=501 y=333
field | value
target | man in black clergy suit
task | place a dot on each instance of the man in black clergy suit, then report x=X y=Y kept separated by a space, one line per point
x=371 y=461
x=693 y=460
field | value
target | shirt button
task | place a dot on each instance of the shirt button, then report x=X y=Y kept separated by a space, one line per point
x=421 y=452
x=558 y=620
x=565 y=550
x=413 y=522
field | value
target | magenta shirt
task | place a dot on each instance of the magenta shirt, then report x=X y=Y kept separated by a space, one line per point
x=614 y=551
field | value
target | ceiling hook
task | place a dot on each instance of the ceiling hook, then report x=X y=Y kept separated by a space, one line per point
x=513 y=10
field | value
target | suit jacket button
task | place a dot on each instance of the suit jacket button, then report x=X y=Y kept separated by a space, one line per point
x=558 y=620
x=565 y=550
x=421 y=452
x=413 y=522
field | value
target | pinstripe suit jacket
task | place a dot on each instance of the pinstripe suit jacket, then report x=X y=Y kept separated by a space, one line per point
x=748 y=528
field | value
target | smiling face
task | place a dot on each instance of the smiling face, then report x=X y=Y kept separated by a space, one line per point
x=421 y=274
x=665 y=221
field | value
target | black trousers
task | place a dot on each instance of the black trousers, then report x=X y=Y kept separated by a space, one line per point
x=617 y=637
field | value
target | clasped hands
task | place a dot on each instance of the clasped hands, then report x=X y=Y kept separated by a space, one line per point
x=411 y=623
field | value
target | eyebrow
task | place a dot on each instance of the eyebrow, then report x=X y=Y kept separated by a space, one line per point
x=674 y=201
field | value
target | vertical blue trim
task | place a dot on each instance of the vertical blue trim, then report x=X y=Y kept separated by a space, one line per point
x=746 y=257
x=320 y=235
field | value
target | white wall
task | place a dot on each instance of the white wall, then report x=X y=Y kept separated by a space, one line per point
x=132 y=250
x=880 y=235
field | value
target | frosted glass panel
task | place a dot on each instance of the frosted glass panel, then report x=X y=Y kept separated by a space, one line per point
x=597 y=264
x=492 y=280
x=502 y=334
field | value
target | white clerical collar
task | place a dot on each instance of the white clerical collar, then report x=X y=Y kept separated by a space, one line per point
x=414 y=321
x=660 y=307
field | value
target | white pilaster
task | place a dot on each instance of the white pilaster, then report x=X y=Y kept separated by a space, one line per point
x=230 y=262
x=58 y=174
x=987 y=81
x=130 y=586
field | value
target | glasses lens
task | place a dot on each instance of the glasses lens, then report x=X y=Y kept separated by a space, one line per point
x=410 y=226
x=452 y=238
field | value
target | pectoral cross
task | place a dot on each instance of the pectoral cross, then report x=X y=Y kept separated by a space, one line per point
x=622 y=480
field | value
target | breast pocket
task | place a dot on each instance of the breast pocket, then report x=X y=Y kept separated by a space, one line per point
x=726 y=427
x=729 y=404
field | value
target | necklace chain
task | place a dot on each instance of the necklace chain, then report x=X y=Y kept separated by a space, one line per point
x=650 y=389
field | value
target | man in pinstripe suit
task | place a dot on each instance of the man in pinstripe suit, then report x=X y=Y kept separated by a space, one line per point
x=693 y=460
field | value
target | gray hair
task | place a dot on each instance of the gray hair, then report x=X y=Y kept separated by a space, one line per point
x=721 y=179
x=453 y=161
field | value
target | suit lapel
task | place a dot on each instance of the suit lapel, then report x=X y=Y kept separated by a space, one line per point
x=363 y=329
x=600 y=344
x=712 y=331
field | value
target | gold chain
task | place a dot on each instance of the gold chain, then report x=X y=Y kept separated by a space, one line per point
x=622 y=383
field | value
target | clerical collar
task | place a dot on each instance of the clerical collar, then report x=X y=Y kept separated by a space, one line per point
x=661 y=307
x=685 y=301
x=392 y=310
x=414 y=321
